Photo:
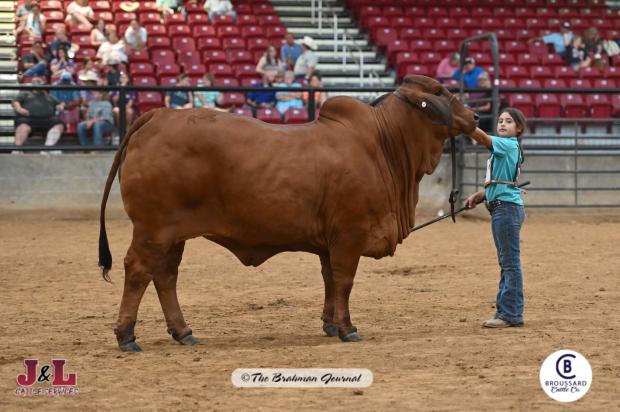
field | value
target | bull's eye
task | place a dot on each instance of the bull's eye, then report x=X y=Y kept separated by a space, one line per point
x=439 y=93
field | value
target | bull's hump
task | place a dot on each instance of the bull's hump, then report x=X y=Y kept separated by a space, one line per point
x=344 y=109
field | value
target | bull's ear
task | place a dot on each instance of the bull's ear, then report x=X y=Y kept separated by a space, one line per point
x=436 y=108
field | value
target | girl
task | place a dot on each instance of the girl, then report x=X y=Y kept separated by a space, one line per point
x=62 y=63
x=98 y=35
x=503 y=200
x=269 y=62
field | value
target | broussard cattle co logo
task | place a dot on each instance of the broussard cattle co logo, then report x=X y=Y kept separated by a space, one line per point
x=566 y=375
x=46 y=380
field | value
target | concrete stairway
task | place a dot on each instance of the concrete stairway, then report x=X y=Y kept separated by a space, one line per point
x=8 y=71
x=296 y=16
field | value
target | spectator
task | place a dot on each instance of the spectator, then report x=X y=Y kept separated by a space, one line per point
x=79 y=12
x=135 y=36
x=290 y=52
x=207 y=99
x=62 y=40
x=35 y=62
x=23 y=10
x=98 y=34
x=447 y=66
x=99 y=119
x=484 y=108
x=258 y=99
x=287 y=100
x=70 y=98
x=112 y=74
x=112 y=50
x=62 y=63
x=130 y=98
x=167 y=6
x=576 y=55
x=319 y=97
x=36 y=112
x=33 y=24
x=559 y=39
x=306 y=63
x=90 y=78
x=592 y=42
x=89 y=65
x=220 y=8
x=269 y=61
x=470 y=73
x=180 y=99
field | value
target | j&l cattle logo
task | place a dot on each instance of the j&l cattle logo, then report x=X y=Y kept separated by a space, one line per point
x=48 y=380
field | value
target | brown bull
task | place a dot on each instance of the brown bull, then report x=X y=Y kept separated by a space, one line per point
x=341 y=187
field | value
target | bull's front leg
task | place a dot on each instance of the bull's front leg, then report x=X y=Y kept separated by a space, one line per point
x=328 y=306
x=344 y=260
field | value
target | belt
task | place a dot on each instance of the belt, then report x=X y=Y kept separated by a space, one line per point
x=492 y=205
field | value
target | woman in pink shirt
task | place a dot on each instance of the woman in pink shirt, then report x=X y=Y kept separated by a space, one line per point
x=447 y=67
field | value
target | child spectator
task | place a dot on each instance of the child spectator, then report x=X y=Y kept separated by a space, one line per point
x=99 y=119
x=36 y=111
x=576 y=55
x=180 y=99
x=136 y=36
x=287 y=100
x=62 y=63
x=319 y=97
x=79 y=12
x=269 y=61
x=258 y=99
x=447 y=67
x=207 y=99
x=33 y=24
x=98 y=34
x=220 y=8
x=130 y=98
x=290 y=52
x=167 y=6
x=559 y=39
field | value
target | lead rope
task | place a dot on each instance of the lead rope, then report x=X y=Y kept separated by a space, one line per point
x=454 y=194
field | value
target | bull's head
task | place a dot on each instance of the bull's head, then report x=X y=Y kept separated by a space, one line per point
x=440 y=106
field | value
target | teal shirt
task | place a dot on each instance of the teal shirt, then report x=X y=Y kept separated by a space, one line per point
x=505 y=155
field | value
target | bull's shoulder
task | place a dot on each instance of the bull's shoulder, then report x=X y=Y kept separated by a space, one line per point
x=344 y=109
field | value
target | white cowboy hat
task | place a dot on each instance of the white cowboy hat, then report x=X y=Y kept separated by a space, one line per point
x=129 y=6
x=89 y=76
x=310 y=43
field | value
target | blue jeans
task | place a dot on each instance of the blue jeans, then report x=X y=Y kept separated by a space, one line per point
x=99 y=129
x=506 y=221
x=39 y=69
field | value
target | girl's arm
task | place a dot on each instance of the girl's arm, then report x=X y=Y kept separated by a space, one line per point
x=482 y=138
x=472 y=200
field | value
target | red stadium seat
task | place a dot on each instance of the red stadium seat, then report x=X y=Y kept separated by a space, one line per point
x=245 y=70
x=139 y=56
x=268 y=20
x=167 y=80
x=233 y=43
x=156 y=30
x=529 y=83
x=275 y=34
x=223 y=20
x=296 y=116
x=188 y=58
x=174 y=19
x=517 y=72
x=600 y=106
x=144 y=81
x=163 y=56
x=383 y=36
x=147 y=7
x=263 y=8
x=248 y=32
x=613 y=73
x=504 y=60
x=400 y=22
x=515 y=46
x=50 y=5
x=257 y=44
x=548 y=105
x=503 y=83
x=124 y=18
x=149 y=17
x=482 y=12
x=54 y=16
x=409 y=33
x=418 y=69
x=421 y=46
x=604 y=84
x=85 y=52
x=239 y=56
x=430 y=57
x=395 y=47
x=226 y=81
x=541 y=72
x=230 y=99
x=242 y=111
x=247 y=20
x=435 y=34
x=269 y=115
x=527 y=59
x=615 y=102
x=392 y=11
x=183 y=44
x=538 y=48
x=105 y=16
x=551 y=59
x=195 y=20
x=437 y=12
x=221 y=69
x=250 y=81
x=565 y=72
x=203 y=31
x=524 y=34
x=141 y=68
x=70 y=118
x=168 y=69
x=459 y=12
x=214 y=56
x=573 y=105
x=423 y=23
x=228 y=31
x=590 y=73
x=179 y=30
x=415 y=11
x=555 y=84
x=580 y=84
x=209 y=43
x=523 y=102
x=149 y=100
x=374 y=22
x=158 y=42
x=195 y=70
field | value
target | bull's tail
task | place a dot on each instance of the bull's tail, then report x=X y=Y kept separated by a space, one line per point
x=105 y=257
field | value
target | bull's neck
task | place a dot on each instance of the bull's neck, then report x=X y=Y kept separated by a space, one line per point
x=410 y=152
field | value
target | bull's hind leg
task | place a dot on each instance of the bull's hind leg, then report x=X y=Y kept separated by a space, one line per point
x=328 y=306
x=344 y=261
x=166 y=285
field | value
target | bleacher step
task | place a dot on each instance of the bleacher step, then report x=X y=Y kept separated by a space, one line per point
x=327 y=32
x=305 y=10
x=8 y=78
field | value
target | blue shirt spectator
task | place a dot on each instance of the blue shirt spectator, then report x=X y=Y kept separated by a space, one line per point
x=287 y=100
x=66 y=96
x=256 y=99
x=559 y=40
x=470 y=73
x=291 y=51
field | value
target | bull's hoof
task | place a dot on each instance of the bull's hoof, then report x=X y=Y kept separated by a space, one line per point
x=330 y=329
x=187 y=340
x=130 y=346
x=352 y=336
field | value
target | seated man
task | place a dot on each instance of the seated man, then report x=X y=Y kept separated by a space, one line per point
x=99 y=119
x=257 y=99
x=559 y=40
x=287 y=100
x=23 y=10
x=35 y=62
x=33 y=23
x=69 y=98
x=136 y=36
x=470 y=73
x=220 y=8
x=61 y=40
x=79 y=12
x=36 y=111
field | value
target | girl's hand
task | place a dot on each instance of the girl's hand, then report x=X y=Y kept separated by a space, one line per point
x=473 y=200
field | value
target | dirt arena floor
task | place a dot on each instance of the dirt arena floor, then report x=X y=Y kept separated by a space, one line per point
x=419 y=313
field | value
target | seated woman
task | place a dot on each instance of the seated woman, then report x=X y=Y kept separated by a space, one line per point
x=269 y=61
x=98 y=34
x=208 y=99
x=80 y=13
x=130 y=97
x=576 y=55
x=180 y=99
x=33 y=24
x=484 y=108
x=62 y=63
x=319 y=97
